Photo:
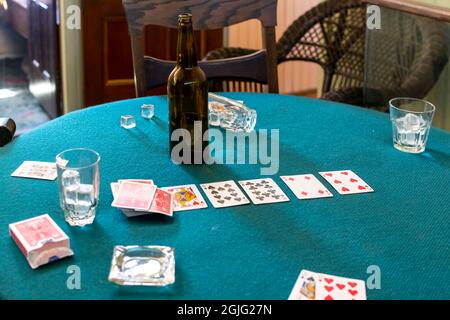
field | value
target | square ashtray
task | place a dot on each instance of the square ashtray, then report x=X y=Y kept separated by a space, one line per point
x=143 y=266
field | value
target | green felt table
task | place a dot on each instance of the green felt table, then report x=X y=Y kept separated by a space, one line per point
x=246 y=252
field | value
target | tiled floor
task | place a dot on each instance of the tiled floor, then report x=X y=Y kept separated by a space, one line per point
x=16 y=101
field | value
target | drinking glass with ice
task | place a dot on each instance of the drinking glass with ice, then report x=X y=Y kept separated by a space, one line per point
x=78 y=184
x=411 y=122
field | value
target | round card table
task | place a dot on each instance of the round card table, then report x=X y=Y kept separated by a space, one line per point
x=245 y=252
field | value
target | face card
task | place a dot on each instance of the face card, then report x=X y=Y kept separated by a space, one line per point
x=132 y=195
x=162 y=202
x=338 y=288
x=262 y=191
x=36 y=170
x=305 y=286
x=224 y=194
x=306 y=186
x=346 y=182
x=186 y=197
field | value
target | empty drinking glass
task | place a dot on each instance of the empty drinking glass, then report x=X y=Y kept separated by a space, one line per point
x=411 y=122
x=79 y=185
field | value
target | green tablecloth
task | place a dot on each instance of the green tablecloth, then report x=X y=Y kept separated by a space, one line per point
x=247 y=252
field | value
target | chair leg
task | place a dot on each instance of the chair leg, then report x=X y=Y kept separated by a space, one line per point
x=269 y=42
x=138 y=65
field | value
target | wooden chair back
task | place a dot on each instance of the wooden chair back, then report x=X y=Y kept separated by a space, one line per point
x=260 y=67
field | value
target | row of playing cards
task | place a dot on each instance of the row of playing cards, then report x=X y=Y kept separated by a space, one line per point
x=140 y=197
x=135 y=197
x=264 y=191
x=319 y=286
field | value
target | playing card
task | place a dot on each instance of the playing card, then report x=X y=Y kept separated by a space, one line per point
x=186 y=197
x=36 y=170
x=128 y=212
x=262 y=191
x=306 y=186
x=149 y=181
x=305 y=286
x=133 y=195
x=346 y=182
x=331 y=287
x=162 y=202
x=224 y=194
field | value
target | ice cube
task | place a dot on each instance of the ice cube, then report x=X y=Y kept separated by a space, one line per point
x=127 y=122
x=86 y=193
x=413 y=122
x=147 y=111
x=70 y=179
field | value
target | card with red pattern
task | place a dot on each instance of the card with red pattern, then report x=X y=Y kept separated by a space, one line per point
x=346 y=182
x=133 y=195
x=36 y=170
x=162 y=202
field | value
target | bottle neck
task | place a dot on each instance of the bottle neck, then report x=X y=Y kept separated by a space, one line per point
x=186 y=53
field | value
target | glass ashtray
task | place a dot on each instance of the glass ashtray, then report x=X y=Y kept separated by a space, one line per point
x=143 y=266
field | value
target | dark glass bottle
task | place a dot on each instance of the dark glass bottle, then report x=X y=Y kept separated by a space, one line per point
x=187 y=91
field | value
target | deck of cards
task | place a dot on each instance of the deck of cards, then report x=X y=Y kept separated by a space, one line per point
x=140 y=197
x=319 y=286
x=40 y=240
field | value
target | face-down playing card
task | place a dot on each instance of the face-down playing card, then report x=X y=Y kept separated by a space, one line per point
x=263 y=191
x=224 y=194
x=133 y=195
x=36 y=170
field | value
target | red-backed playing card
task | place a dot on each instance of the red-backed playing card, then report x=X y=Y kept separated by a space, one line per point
x=162 y=202
x=133 y=195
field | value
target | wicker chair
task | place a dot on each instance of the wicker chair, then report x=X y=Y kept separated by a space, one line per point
x=333 y=35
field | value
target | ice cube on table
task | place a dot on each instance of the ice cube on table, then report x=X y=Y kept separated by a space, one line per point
x=147 y=111
x=127 y=122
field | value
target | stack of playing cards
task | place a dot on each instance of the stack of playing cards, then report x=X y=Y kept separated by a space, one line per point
x=40 y=240
x=141 y=197
x=319 y=286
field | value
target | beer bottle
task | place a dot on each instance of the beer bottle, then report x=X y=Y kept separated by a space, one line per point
x=187 y=91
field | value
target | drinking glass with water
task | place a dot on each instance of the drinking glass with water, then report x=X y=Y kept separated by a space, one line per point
x=79 y=185
x=411 y=122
